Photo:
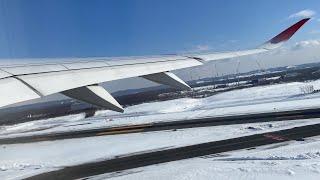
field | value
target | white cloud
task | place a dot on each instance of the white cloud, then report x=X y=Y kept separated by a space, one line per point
x=303 y=14
x=197 y=49
x=306 y=44
x=290 y=54
x=202 y=48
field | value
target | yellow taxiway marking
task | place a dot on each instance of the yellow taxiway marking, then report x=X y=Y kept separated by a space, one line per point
x=130 y=127
x=119 y=132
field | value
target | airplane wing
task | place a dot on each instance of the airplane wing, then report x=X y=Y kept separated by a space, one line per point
x=80 y=79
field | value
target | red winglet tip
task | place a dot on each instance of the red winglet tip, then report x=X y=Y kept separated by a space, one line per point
x=288 y=33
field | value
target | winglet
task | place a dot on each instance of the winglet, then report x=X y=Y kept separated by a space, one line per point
x=288 y=33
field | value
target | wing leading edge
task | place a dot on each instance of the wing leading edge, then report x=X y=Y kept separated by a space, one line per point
x=79 y=79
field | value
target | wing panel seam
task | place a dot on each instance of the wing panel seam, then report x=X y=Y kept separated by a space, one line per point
x=29 y=86
x=103 y=67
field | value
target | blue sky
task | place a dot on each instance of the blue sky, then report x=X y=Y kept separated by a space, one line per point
x=69 y=28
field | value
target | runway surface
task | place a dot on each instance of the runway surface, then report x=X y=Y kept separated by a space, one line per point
x=162 y=156
x=190 y=123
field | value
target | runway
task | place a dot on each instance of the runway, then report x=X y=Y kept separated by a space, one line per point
x=162 y=156
x=173 y=125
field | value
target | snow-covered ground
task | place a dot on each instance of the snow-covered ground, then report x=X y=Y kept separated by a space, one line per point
x=270 y=98
x=294 y=159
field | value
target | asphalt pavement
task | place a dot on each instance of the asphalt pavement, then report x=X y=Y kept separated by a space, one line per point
x=174 y=154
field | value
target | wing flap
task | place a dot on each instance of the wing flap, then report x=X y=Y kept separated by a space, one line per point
x=13 y=91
